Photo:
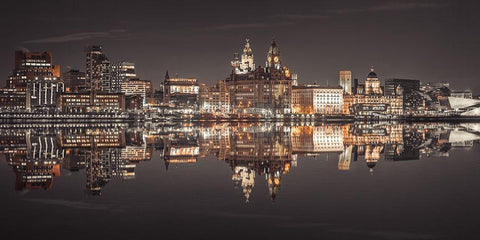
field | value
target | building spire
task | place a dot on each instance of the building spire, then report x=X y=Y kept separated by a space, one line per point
x=167 y=76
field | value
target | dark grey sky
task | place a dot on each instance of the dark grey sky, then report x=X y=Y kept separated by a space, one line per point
x=430 y=40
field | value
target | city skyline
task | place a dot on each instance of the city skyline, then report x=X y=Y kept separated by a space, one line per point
x=434 y=41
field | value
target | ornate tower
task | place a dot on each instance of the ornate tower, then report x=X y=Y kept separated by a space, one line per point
x=273 y=56
x=247 y=64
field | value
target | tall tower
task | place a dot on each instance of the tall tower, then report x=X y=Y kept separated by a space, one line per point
x=346 y=81
x=97 y=70
x=273 y=57
x=372 y=84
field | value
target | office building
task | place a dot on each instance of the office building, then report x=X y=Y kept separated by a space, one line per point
x=315 y=99
x=31 y=66
x=97 y=70
x=121 y=72
x=346 y=81
x=74 y=80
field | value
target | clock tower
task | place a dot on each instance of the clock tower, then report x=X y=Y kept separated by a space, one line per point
x=273 y=57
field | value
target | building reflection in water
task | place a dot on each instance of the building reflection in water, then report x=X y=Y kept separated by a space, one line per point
x=253 y=151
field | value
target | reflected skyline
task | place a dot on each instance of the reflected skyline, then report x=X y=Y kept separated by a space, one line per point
x=253 y=152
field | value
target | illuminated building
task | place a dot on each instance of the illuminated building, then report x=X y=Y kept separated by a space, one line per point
x=409 y=90
x=31 y=66
x=84 y=102
x=461 y=94
x=345 y=81
x=373 y=106
x=245 y=64
x=137 y=87
x=372 y=84
x=74 y=80
x=181 y=93
x=120 y=73
x=263 y=91
x=214 y=100
x=371 y=102
x=43 y=93
x=314 y=99
x=12 y=100
x=97 y=70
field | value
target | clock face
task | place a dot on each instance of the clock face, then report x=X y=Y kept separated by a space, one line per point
x=275 y=59
x=269 y=59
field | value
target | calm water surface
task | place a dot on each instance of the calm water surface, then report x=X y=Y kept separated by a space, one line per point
x=241 y=181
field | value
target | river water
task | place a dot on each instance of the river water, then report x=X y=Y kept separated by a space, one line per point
x=241 y=181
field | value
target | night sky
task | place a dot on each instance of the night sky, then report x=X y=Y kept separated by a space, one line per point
x=430 y=40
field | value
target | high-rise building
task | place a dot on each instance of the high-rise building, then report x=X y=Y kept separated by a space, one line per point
x=346 y=81
x=97 y=70
x=372 y=84
x=74 y=79
x=31 y=66
x=121 y=72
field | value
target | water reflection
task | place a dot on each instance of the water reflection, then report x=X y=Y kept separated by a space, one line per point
x=254 y=152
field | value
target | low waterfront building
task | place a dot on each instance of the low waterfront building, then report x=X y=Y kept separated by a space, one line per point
x=43 y=93
x=85 y=102
x=12 y=99
x=372 y=105
x=315 y=99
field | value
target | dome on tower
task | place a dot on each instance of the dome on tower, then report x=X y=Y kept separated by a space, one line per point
x=372 y=73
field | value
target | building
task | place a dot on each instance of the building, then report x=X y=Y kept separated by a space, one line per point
x=315 y=99
x=409 y=89
x=373 y=105
x=346 y=81
x=372 y=84
x=31 y=66
x=263 y=91
x=74 y=80
x=121 y=72
x=214 y=100
x=12 y=100
x=97 y=70
x=181 y=93
x=461 y=94
x=246 y=63
x=43 y=93
x=137 y=87
x=94 y=102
